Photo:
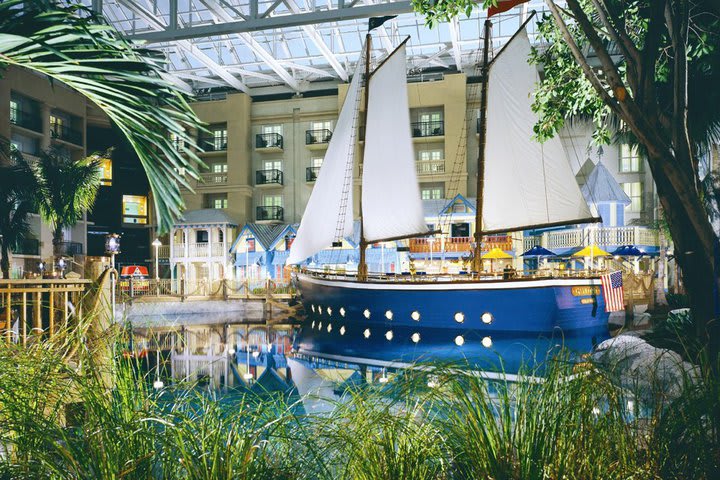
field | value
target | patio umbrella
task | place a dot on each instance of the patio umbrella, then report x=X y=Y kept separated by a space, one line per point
x=628 y=251
x=496 y=254
x=591 y=251
x=538 y=251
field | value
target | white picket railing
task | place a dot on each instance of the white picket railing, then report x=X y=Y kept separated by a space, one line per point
x=603 y=236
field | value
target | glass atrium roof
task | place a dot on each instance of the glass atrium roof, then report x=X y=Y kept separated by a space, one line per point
x=273 y=46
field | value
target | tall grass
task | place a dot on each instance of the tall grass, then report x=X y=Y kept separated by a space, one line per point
x=68 y=412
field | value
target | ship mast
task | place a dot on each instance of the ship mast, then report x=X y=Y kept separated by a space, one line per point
x=362 y=263
x=484 y=71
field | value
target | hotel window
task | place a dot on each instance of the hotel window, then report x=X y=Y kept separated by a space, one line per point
x=432 y=192
x=105 y=168
x=630 y=160
x=431 y=123
x=219 y=137
x=57 y=123
x=323 y=125
x=430 y=161
x=634 y=190
x=316 y=162
x=250 y=242
x=135 y=209
x=272 y=135
x=25 y=144
x=14 y=111
x=216 y=200
x=272 y=165
x=272 y=200
x=219 y=168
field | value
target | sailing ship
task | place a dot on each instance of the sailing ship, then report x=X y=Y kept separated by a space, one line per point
x=383 y=320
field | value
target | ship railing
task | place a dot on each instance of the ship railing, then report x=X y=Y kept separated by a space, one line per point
x=422 y=277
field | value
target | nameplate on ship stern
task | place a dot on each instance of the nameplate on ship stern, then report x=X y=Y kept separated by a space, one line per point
x=585 y=291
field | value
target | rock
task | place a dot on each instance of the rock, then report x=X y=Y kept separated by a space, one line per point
x=651 y=374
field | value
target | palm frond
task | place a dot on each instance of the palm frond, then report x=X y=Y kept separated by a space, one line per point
x=73 y=45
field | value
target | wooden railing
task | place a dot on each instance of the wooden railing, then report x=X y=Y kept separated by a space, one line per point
x=603 y=236
x=459 y=244
x=34 y=308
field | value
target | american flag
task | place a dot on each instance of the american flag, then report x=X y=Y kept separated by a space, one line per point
x=612 y=285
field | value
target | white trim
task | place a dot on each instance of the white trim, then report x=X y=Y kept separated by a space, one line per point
x=478 y=285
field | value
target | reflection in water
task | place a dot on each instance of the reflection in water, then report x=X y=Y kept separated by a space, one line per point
x=228 y=356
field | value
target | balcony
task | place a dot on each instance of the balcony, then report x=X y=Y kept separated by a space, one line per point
x=269 y=177
x=213 y=178
x=66 y=134
x=605 y=237
x=29 y=246
x=316 y=139
x=428 y=129
x=68 y=249
x=31 y=121
x=196 y=250
x=269 y=142
x=459 y=244
x=430 y=167
x=213 y=144
x=269 y=213
x=311 y=173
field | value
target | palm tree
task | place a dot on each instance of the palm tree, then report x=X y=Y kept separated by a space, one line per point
x=71 y=44
x=66 y=189
x=17 y=192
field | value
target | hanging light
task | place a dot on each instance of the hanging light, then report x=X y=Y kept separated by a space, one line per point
x=415 y=337
x=459 y=317
x=486 y=318
x=486 y=342
x=415 y=315
x=459 y=340
x=158 y=384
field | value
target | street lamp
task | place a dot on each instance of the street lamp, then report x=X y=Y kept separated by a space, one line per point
x=41 y=268
x=112 y=247
x=157 y=243
x=61 y=265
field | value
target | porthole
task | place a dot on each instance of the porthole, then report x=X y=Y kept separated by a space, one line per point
x=366 y=313
x=389 y=314
x=415 y=316
x=459 y=317
x=486 y=342
x=415 y=337
x=486 y=318
x=389 y=335
x=459 y=340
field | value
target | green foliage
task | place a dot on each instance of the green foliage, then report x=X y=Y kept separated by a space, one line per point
x=17 y=201
x=66 y=188
x=67 y=413
x=677 y=332
x=68 y=43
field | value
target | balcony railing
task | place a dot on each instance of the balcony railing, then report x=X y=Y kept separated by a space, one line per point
x=428 y=129
x=163 y=251
x=65 y=133
x=214 y=178
x=270 y=213
x=29 y=120
x=311 y=173
x=269 y=140
x=602 y=236
x=68 y=248
x=269 y=177
x=29 y=246
x=430 y=167
x=459 y=244
x=213 y=144
x=314 y=137
x=200 y=249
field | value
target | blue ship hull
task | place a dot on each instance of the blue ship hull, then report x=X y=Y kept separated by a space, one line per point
x=347 y=321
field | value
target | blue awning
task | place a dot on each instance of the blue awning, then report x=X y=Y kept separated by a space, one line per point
x=280 y=257
x=251 y=258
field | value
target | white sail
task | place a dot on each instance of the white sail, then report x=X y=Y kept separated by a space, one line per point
x=331 y=203
x=391 y=205
x=526 y=183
